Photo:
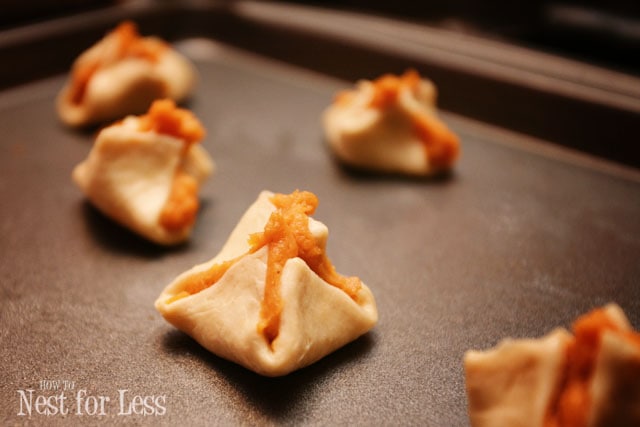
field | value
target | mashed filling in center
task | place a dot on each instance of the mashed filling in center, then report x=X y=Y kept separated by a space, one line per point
x=286 y=235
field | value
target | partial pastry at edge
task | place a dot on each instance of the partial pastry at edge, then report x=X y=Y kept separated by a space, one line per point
x=271 y=300
x=145 y=172
x=123 y=74
x=391 y=125
x=590 y=378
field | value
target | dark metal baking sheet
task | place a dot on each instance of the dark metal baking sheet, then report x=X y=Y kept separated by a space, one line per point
x=522 y=237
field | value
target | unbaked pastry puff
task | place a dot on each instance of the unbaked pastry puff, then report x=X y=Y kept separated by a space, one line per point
x=391 y=125
x=271 y=300
x=590 y=378
x=123 y=74
x=145 y=172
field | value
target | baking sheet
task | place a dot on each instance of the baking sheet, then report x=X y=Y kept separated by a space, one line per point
x=522 y=237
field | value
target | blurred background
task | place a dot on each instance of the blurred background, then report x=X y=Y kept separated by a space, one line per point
x=598 y=32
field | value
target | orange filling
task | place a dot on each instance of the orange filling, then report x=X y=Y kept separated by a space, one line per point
x=202 y=280
x=571 y=408
x=128 y=44
x=182 y=205
x=441 y=144
x=387 y=88
x=286 y=236
x=343 y=98
x=165 y=118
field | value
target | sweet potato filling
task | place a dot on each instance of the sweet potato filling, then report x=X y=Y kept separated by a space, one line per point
x=123 y=42
x=387 y=88
x=202 y=280
x=165 y=118
x=344 y=97
x=286 y=236
x=571 y=407
x=182 y=205
x=441 y=145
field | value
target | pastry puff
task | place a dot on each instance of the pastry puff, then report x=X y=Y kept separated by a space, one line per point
x=588 y=379
x=121 y=75
x=144 y=172
x=271 y=327
x=390 y=125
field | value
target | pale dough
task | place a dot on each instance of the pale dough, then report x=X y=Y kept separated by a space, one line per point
x=317 y=318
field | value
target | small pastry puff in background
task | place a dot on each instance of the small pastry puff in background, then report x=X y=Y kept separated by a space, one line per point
x=144 y=172
x=390 y=125
x=590 y=378
x=271 y=300
x=123 y=74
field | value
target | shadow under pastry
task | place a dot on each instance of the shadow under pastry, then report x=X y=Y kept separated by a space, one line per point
x=115 y=237
x=275 y=397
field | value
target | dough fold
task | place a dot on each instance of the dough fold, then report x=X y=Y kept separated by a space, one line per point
x=317 y=318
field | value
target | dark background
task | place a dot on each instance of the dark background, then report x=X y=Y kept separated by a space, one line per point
x=604 y=33
x=598 y=32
